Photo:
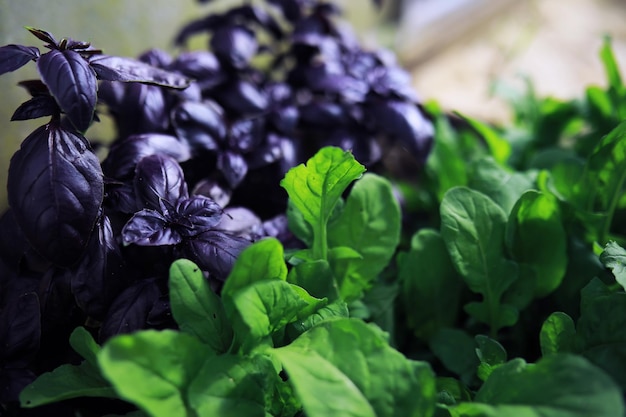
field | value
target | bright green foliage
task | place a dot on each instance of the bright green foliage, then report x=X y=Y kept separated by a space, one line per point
x=315 y=189
x=321 y=388
x=153 y=369
x=499 y=147
x=472 y=227
x=491 y=355
x=556 y=386
x=392 y=384
x=536 y=237
x=370 y=225
x=196 y=308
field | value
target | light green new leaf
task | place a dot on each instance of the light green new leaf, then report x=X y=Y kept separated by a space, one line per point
x=152 y=369
x=196 y=308
x=614 y=258
x=315 y=189
x=431 y=287
x=334 y=310
x=472 y=227
x=70 y=381
x=261 y=261
x=264 y=307
x=232 y=386
x=557 y=386
x=323 y=390
x=536 y=237
x=392 y=384
x=557 y=334
x=369 y=224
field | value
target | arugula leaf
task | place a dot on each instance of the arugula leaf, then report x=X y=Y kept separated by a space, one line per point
x=369 y=224
x=491 y=355
x=499 y=147
x=196 y=308
x=262 y=260
x=316 y=277
x=472 y=227
x=70 y=381
x=536 y=237
x=264 y=307
x=232 y=386
x=557 y=334
x=153 y=369
x=431 y=287
x=456 y=350
x=557 y=386
x=391 y=383
x=315 y=189
x=614 y=258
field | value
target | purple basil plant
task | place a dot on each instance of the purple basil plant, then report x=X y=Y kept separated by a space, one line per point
x=203 y=139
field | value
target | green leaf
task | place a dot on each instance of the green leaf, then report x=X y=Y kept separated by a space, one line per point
x=451 y=390
x=557 y=334
x=614 y=258
x=498 y=146
x=70 y=381
x=491 y=355
x=261 y=261
x=500 y=184
x=316 y=277
x=83 y=343
x=370 y=225
x=457 y=351
x=334 y=310
x=392 y=384
x=601 y=329
x=153 y=369
x=232 y=386
x=65 y=382
x=431 y=287
x=472 y=227
x=536 y=237
x=196 y=308
x=315 y=189
x=264 y=307
x=445 y=165
x=556 y=386
x=323 y=390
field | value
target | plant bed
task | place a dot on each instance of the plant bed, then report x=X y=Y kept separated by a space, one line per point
x=281 y=228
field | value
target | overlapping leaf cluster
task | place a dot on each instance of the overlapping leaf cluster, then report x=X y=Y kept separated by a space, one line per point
x=202 y=141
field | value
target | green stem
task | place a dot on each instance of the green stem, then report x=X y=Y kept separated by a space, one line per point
x=611 y=209
x=320 y=244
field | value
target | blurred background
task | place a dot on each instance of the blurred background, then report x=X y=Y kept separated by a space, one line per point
x=456 y=50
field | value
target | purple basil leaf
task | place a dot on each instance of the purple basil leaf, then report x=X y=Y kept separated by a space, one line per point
x=55 y=188
x=274 y=148
x=324 y=79
x=212 y=189
x=364 y=148
x=149 y=228
x=72 y=83
x=197 y=26
x=35 y=87
x=36 y=107
x=58 y=309
x=242 y=98
x=129 y=311
x=403 y=121
x=202 y=125
x=13 y=57
x=391 y=81
x=42 y=35
x=324 y=114
x=258 y=15
x=98 y=275
x=233 y=166
x=240 y=221
x=234 y=46
x=20 y=330
x=156 y=57
x=160 y=315
x=200 y=212
x=202 y=66
x=285 y=119
x=215 y=252
x=246 y=134
x=120 y=197
x=13 y=243
x=114 y=68
x=126 y=153
x=159 y=177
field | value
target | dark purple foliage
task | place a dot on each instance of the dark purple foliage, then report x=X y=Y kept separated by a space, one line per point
x=13 y=57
